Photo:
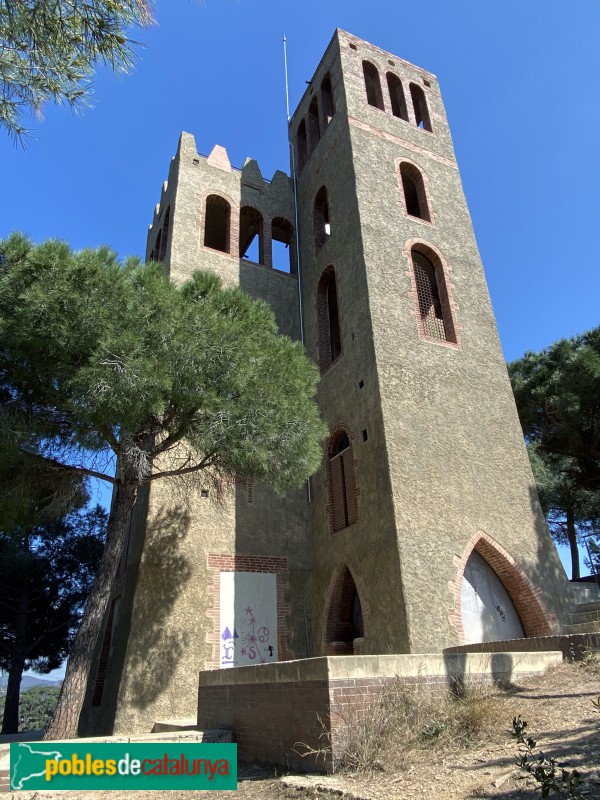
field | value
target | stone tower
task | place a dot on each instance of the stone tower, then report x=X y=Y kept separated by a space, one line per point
x=422 y=529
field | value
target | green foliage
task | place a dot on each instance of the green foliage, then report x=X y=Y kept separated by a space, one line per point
x=48 y=50
x=36 y=707
x=116 y=360
x=45 y=575
x=109 y=370
x=556 y=391
x=552 y=777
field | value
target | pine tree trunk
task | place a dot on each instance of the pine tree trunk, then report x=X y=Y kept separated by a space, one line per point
x=10 y=723
x=65 y=722
x=572 y=534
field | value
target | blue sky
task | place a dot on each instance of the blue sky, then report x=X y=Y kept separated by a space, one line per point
x=520 y=81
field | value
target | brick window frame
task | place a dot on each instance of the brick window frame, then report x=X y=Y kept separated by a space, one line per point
x=275 y=565
x=526 y=597
x=398 y=105
x=341 y=484
x=234 y=221
x=445 y=290
x=421 y=181
x=337 y=610
x=328 y=352
x=420 y=107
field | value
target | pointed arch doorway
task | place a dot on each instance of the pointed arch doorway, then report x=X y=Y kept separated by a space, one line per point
x=487 y=610
x=344 y=621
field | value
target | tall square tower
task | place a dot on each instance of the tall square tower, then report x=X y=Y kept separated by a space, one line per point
x=422 y=528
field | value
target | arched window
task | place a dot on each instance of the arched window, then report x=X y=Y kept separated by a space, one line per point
x=321 y=224
x=397 y=98
x=415 y=198
x=435 y=315
x=160 y=246
x=216 y=223
x=314 y=128
x=283 y=249
x=327 y=99
x=343 y=506
x=420 y=106
x=301 y=145
x=328 y=320
x=251 y=235
x=373 y=85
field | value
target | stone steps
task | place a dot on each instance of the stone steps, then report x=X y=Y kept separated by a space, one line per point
x=584 y=616
x=583 y=627
x=593 y=605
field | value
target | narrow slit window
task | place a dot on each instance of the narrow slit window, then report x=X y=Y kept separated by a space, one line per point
x=327 y=99
x=420 y=106
x=413 y=186
x=397 y=99
x=216 y=223
x=314 y=128
x=373 y=85
x=328 y=320
x=282 y=239
x=321 y=223
x=302 y=145
x=251 y=235
x=435 y=317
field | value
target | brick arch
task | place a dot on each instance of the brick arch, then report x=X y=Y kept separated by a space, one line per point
x=421 y=176
x=342 y=488
x=445 y=287
x=536 y=620
x=337 y=628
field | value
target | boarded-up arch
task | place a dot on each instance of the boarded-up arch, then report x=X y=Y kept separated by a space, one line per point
x=526 y=597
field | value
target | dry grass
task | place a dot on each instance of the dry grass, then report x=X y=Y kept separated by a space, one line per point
x=409 y=718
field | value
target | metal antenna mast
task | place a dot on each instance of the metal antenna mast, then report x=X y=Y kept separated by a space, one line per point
x=295 y=183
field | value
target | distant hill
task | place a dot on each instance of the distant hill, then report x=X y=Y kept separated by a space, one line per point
x=27 y=682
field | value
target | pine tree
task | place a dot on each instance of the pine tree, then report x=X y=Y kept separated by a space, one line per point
x=557 y=392
x=106 y=364
x=48 y=50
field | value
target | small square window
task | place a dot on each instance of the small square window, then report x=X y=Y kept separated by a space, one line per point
x=203 y=492
x=353 y=46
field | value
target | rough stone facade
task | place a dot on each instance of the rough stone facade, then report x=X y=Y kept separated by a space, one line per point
x=425 y=462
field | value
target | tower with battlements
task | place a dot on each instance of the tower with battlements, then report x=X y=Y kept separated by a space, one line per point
x=422 y=529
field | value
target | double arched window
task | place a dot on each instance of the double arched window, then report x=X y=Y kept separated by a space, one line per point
x=396 y=96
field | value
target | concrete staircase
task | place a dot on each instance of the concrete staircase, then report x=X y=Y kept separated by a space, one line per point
x=585 y=618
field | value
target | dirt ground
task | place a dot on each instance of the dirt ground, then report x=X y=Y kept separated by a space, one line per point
x=557 y=706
